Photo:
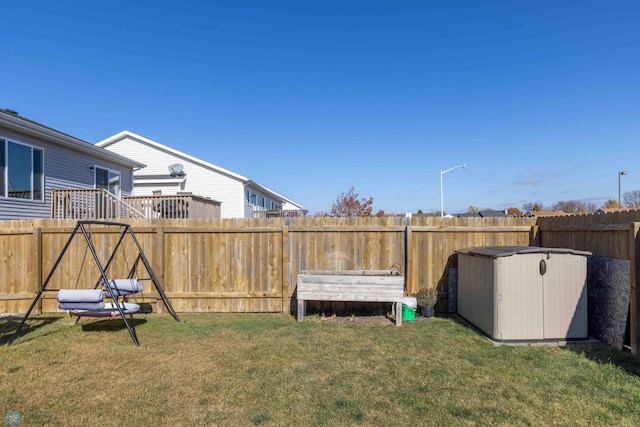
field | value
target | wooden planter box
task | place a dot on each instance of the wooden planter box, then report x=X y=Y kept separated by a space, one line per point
x=350 y=285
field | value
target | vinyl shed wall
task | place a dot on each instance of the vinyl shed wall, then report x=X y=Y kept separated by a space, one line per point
x=508 y=298
x=64 y=168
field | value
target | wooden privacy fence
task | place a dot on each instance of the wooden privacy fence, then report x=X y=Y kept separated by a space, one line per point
x=247 y=265
x=251 y=265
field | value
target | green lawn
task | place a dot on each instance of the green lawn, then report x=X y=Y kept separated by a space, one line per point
x=266 y=369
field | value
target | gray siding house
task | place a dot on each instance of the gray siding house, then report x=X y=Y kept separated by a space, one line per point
x=36 y=159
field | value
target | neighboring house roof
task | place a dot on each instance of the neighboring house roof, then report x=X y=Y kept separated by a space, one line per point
x=246 y=181
x=609 y=210
x=12 y=120
x=468 y=215
x=492 y=214
x=557 y=212
x=482 y=214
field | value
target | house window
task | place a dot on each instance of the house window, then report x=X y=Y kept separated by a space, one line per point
x=251 y=198
x=264 y=203
x=21 y=171
x=108 y=180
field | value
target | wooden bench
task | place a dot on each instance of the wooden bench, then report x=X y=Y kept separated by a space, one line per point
x=351 y=285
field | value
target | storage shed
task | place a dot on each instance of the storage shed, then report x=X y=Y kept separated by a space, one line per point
x=524 y=293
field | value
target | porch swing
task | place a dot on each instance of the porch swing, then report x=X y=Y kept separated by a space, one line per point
x=91 y=302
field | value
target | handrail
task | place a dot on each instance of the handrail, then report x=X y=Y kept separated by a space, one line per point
x=124 y=204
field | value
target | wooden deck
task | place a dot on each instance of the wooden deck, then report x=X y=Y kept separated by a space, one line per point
x=100 y=204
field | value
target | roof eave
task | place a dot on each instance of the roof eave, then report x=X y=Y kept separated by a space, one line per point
x=23 y=126
x=272 y=193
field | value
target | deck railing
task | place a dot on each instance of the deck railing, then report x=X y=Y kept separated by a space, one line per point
x=175 y=206
x=90 y=204
x=279 y=213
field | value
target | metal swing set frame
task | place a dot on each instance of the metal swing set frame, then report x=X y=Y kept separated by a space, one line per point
x=124 y=230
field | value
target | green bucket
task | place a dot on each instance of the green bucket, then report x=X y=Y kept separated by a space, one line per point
x=409 y=309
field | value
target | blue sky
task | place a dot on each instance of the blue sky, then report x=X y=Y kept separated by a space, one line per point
x=541 y=99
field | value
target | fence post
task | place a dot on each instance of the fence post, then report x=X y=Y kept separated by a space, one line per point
x=634 y=302
x=37 y=252
x=409 y=279
x=160 y=256
x=534 y=236
x=286 y=266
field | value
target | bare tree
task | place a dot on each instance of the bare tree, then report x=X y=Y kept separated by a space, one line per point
x=591 y=207
x=473 y=209
x=632 y=199
x=576 y=206
x=351 y=204
x=533 y=206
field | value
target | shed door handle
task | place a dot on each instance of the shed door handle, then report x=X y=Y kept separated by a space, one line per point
x=543 y=267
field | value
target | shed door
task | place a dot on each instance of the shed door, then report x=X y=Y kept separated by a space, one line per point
x=519 y=298
x=564 y=296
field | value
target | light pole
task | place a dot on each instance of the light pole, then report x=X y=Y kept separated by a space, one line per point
x=463 y=166
x=619 y=175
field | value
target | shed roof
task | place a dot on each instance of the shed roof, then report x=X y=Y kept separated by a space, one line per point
x=503 y=251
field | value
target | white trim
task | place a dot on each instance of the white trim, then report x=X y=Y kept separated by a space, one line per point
x=142 y=181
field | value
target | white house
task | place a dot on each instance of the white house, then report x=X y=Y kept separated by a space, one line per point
x=171 y=171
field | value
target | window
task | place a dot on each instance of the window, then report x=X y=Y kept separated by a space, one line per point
x=108 y=180
x=21 y=171
x=251 y=198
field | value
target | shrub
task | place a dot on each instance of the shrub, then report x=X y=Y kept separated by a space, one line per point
x=426 y=297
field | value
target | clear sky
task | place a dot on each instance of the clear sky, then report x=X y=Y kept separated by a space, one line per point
x=541 y=99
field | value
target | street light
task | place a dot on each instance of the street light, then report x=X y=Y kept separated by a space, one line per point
x=619 y=175
x=463 y=166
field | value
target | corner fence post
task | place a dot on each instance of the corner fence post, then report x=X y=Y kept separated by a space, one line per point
x=634 y=295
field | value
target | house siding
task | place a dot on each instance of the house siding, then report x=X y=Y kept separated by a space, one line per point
x=64 y=168
x=199 y=180
x=259 y=206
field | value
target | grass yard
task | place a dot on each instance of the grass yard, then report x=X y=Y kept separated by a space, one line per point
x=266 y=369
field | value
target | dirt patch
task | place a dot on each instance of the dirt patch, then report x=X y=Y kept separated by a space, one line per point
x=358 y=320
x=364 y=320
